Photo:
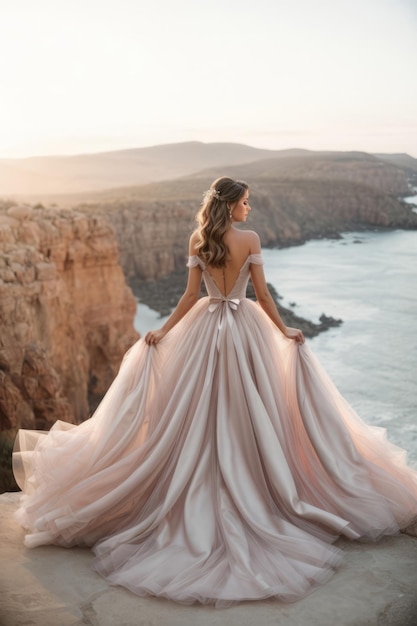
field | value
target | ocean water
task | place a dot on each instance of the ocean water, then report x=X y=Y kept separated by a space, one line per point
x=369 y=280
x=412 y=200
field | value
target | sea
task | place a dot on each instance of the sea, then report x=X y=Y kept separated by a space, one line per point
x=369 y=280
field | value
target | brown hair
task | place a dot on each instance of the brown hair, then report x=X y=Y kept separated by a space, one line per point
x=214 y=218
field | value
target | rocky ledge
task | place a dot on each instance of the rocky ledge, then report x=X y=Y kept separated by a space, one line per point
x=47 y=586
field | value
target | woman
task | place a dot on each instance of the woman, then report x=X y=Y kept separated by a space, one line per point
x=222 y=462
x=225 y=250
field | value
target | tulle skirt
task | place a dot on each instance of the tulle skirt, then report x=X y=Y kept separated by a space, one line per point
x=219 y=467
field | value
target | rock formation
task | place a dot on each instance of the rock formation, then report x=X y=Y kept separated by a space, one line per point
x=66 y=316
x=152 y=237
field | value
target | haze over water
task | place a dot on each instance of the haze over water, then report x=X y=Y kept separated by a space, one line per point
x=372 y=287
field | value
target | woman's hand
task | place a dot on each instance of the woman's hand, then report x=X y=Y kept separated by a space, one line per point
x=154 y=336
x=294 y=333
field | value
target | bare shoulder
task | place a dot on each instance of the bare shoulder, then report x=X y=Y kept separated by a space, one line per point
x=193 y=243
x=252 y=240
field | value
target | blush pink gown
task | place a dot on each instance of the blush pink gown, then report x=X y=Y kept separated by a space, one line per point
x=220 y=466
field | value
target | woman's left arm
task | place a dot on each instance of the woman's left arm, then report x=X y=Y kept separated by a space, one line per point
x=185 y=303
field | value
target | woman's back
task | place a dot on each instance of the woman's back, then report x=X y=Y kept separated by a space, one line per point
x=240 y=245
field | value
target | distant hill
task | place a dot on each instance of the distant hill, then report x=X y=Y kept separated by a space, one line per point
x=354 y=167
x=403 y=160
x=42 y=176
x=377 y=171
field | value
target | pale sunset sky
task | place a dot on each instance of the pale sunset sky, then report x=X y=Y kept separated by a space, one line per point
x=96 y=75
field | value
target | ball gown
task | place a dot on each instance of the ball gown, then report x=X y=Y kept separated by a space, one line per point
x=221 y=465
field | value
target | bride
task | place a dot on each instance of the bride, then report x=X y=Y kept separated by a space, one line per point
x=222 y=463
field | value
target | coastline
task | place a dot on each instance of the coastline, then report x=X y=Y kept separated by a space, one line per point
x=162 y=296
x=329 y=235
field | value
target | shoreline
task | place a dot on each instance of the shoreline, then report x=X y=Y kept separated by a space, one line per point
x=336 y=235
x=162 y=296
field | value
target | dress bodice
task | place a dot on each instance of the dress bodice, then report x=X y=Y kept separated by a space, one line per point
x=238 y=290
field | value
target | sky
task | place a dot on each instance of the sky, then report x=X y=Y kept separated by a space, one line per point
x=82 y=76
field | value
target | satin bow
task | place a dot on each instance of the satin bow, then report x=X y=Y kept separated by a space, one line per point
x=231 y=304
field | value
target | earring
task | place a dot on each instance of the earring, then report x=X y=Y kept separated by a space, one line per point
x=230 y=212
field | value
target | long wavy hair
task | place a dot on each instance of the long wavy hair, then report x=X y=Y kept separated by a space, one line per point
x=214 y=218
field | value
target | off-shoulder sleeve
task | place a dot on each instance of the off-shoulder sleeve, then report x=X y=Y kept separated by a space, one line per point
x=256 y=259
x=195 y=261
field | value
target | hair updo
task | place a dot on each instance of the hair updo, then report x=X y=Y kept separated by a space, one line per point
x=214 y=218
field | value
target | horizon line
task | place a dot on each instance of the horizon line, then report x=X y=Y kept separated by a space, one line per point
x=199 y=142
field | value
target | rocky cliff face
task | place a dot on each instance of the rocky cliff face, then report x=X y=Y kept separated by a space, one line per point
x=291 y=212
x=66 y=315
x=152 y=236
x=292 y=200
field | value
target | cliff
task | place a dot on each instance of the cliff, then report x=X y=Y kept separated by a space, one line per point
x=293 y=199
x=66 y=316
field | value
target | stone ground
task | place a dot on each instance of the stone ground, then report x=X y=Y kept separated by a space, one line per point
x=52 y=586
